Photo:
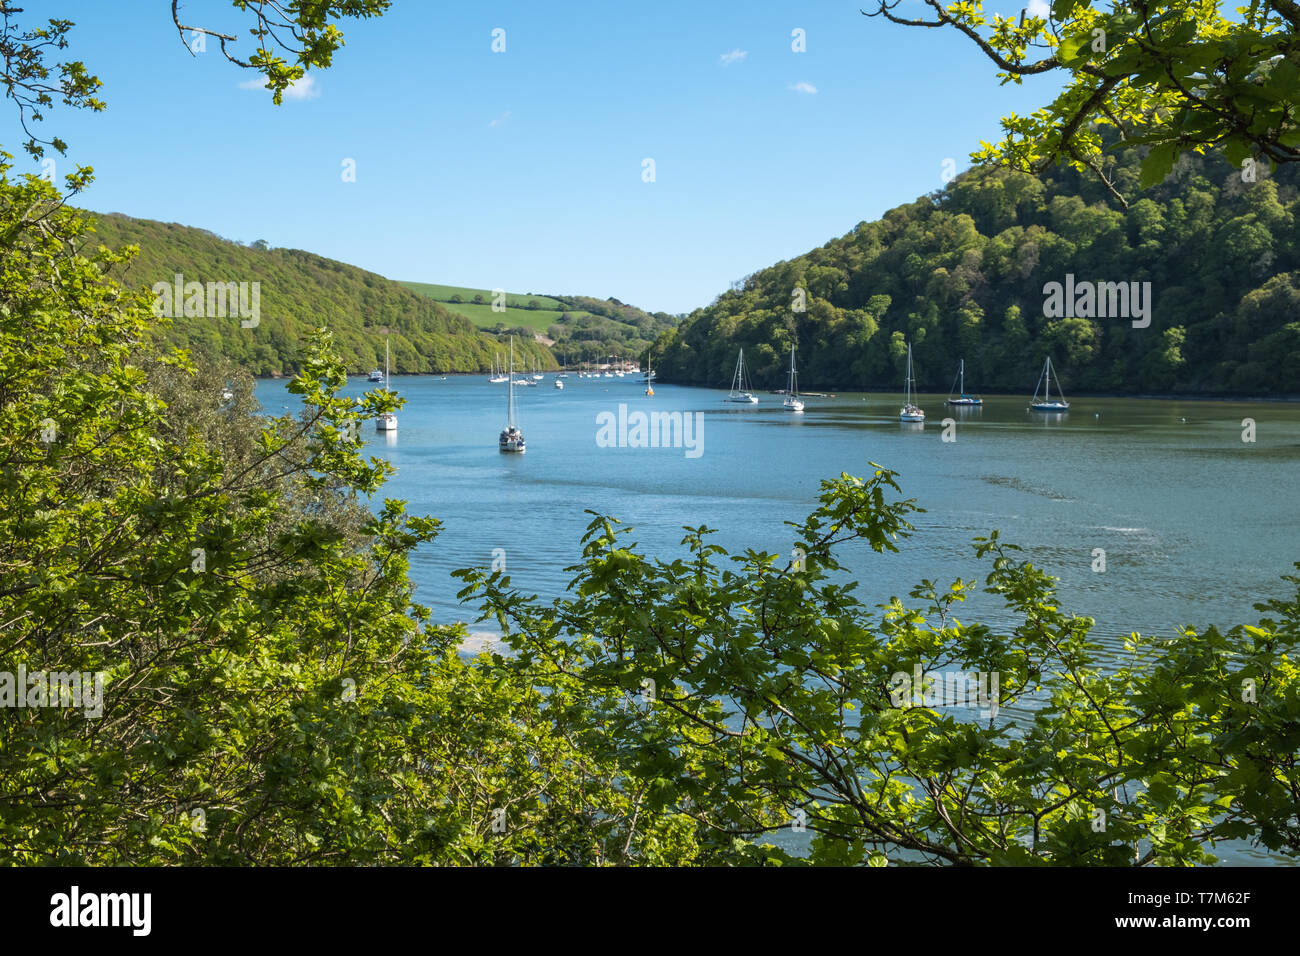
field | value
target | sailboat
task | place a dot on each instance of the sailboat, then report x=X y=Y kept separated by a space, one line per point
x=387 y=421
x=792 y=389
x=962 y=398
x=498 y=375
x=511 y=439
x=558 y=383
x=537 y=376
x=1045 y=404
x=910 y=412
x=739 y=385
x=649 y=376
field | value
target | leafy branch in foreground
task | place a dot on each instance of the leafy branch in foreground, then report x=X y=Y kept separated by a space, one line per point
x=1176 y=77
x=266 y=689
x=291 y=37
x=745 y=699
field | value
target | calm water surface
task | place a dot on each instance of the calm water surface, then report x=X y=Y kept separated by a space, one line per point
x=1197 y=525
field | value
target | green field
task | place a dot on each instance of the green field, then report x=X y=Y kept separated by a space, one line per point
x=443 y=293
x=485 y=318
x=481 y=314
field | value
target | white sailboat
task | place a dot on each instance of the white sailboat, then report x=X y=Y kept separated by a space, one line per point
x=649 y=377
x=792 y=389
x=740 y=391
x=1046 y=404
x=962 y=398
x=511 y=438
x=498 y=375
x=387 y=421
x=537 y=376
x=910 y=412
x=558 y=383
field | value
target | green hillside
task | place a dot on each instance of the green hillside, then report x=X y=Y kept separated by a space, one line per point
x=583 y=328
x=465 y=294
x=298 y=291
x=962 y=274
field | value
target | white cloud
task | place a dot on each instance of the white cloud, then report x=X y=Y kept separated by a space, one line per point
x=803 y=87
x=733 y=57
x=1039 y=8
x=304 y=89
x=500 y=119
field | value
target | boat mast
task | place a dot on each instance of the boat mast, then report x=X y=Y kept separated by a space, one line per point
x=908 y=386
x=961 y=373
x=510 y=422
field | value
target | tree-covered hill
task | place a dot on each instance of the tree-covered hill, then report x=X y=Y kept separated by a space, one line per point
x=962 y=274
x=584 y=329
x=298 y=292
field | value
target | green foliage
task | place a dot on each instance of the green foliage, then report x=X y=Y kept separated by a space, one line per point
x=271 y=692
x=583 y=329
x=764 y=696
x=962 y=273
x=300 y=291
x=1180 y=78
x=290 y=39
x=274 y=695
x=32 y=83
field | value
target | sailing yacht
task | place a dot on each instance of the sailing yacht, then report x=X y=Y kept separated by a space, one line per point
x=910 y=412
x=792 y=389
x=962 y=398
x=1046 y=404
x=511 y=438
x=498 y=375
x=740 y=385
x=387 y=421
x=537 y=376
x=648 y=381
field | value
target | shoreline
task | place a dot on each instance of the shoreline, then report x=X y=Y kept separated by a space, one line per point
x=1144 y=396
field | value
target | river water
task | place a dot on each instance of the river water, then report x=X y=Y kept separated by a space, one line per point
x=1196 y=524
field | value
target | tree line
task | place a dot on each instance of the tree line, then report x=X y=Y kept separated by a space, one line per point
x=300 y=291
x=965 y=273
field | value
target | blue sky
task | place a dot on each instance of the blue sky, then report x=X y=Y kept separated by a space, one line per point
x=523 y=169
